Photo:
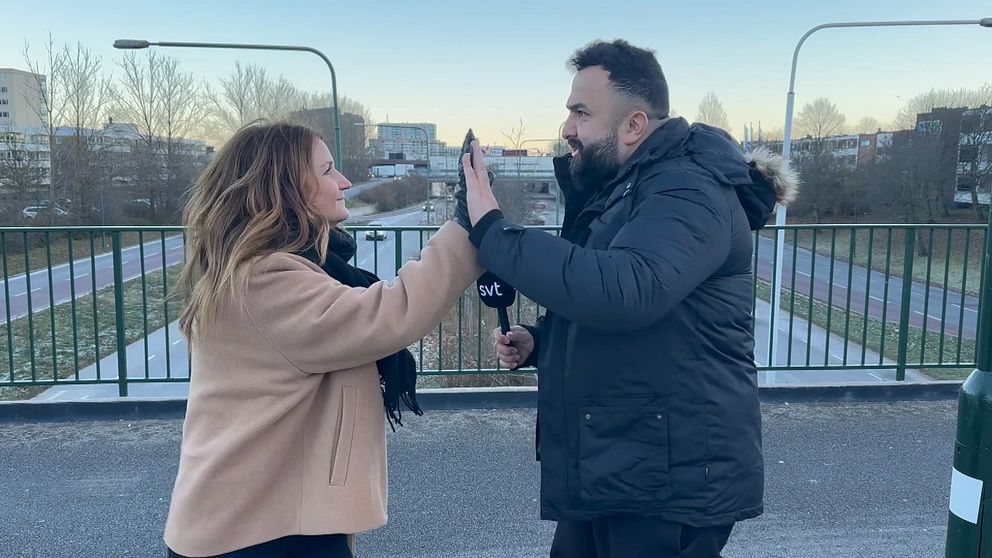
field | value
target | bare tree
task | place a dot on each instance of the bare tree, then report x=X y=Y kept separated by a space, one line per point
x=78 y=156
x=22 y=175
x=826 y=185
x=825 y=178
x=907 y=181
x=820 y=119
x=711 y=112
x=937 y=98
x=232 y=107
x=50 y=105
x=249 y=94
x=165 y=105
x=775 y=134
x=515 y=137
x=867 y=125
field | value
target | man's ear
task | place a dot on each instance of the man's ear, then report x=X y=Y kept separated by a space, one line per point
x=635 y=128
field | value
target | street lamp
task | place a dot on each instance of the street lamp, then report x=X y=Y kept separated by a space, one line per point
x=780 y=213
x=427 y=144
x=134 y=44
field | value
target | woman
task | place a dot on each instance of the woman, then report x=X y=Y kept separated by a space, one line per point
x=283 y=449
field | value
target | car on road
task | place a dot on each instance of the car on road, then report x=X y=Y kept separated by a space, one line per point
x=375 y=234
x=32 y=211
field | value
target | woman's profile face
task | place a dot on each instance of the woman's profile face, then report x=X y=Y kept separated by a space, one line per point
x=331 y=185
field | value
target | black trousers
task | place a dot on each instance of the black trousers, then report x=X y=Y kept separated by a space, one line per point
x=637 y=537
x=296 y=546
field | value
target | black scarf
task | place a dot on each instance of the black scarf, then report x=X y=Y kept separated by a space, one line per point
x=398 y=371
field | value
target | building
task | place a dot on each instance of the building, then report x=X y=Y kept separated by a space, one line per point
x=23 y=139
x=973 y=163
x=845 y=148
x=22 y=98
x=407 y=140
x=120 y=141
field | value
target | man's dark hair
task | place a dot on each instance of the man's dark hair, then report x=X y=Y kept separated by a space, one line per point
x=634 y=72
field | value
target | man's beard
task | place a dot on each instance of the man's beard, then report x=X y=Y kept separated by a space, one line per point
x=594 y=165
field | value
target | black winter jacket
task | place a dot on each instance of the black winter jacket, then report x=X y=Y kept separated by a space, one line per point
x=648 y=396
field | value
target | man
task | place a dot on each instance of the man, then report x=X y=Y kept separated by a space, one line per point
x=649 y=427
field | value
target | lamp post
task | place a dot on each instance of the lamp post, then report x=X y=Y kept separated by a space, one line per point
x=134 y=44
x=427 y=144
x=780 y=214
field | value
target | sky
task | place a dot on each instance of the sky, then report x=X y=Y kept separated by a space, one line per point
x=492 y=65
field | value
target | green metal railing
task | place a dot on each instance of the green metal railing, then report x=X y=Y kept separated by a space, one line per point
x=876 y=319
x=78 y=308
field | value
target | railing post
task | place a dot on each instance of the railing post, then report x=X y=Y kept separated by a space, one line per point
x=906 y=303
x=119 y=313
x=969 y=525
x=398 y=246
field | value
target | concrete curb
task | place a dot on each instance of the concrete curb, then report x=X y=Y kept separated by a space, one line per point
x=472 y=398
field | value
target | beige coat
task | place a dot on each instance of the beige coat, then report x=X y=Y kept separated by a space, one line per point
x=285 y=430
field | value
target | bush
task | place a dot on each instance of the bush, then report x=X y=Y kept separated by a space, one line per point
x=397 y=194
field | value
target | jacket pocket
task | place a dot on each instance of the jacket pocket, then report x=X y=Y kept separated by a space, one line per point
x=341 y=453
x=623 y=454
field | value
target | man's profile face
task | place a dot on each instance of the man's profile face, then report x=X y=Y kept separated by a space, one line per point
x=591 y=128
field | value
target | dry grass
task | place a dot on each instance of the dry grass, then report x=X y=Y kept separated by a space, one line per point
x=55 y=343
x=924 y=350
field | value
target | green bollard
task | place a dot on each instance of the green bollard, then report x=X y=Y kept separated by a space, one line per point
x=969 y=526
x=969 y=523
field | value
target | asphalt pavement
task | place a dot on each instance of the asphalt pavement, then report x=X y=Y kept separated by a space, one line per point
x=842 y=480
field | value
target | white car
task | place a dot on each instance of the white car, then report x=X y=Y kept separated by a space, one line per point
x=32 y=211
x=375 y=234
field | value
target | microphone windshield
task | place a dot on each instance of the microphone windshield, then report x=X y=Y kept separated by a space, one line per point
x=494 y=292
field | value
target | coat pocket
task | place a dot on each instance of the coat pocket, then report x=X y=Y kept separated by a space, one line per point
x=623 y=454
x=341 y=453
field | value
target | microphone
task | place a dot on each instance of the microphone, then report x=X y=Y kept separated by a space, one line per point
x=495 y=293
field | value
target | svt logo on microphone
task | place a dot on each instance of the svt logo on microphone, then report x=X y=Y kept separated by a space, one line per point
x=490 y=290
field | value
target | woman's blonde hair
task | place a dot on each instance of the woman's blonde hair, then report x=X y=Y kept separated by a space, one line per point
x=255 y=197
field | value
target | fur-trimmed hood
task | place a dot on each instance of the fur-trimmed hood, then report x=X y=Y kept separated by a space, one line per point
x=777 y=171
x=761 y=178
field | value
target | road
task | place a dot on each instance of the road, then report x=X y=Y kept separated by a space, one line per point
x=927 y=305
x=83 y=274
